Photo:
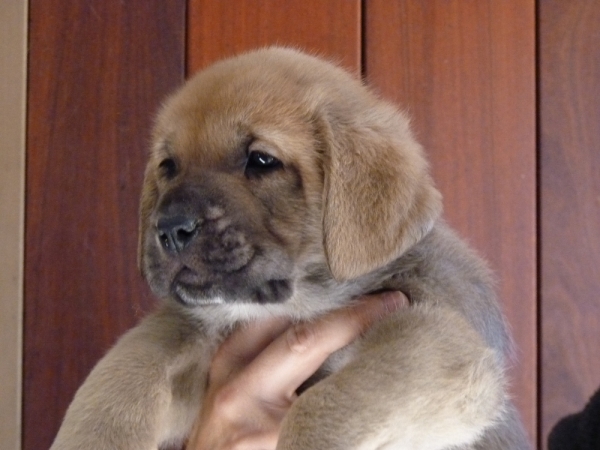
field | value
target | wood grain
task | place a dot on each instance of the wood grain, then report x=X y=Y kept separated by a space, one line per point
x=465 y=72
x=570 y=206
x=97 y=71
x=220 y=29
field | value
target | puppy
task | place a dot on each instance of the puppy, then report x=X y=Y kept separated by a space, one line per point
x=279 y=185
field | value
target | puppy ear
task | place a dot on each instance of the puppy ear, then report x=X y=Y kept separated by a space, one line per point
x=379 y=199
x=148 y=200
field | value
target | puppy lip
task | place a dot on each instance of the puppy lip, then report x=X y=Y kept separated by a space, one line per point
x=273 y=291
x=186 y=276
x=189 y=295
x=190 y=289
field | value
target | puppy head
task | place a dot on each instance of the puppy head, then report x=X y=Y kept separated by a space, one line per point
x=265 y=164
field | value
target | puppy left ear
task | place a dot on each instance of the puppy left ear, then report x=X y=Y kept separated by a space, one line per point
x=379 y=199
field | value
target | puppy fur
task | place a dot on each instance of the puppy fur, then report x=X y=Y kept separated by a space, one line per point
x=346 y=207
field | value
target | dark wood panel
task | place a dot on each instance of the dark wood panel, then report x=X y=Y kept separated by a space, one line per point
x=220 y=29
x=97 y=70
x=570 y=205
x=465 y=72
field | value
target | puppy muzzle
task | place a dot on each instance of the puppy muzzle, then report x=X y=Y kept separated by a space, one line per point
x=199 y=253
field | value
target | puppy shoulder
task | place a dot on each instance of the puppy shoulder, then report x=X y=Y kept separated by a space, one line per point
x=443 y=270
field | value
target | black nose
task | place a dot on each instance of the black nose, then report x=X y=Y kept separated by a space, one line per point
x=175 y=233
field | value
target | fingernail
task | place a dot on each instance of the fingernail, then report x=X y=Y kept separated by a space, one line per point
x=394 y=300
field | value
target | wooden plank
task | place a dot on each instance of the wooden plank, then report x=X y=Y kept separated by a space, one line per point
x=220 y=29
x=570 y=206
x=465 y=71
x=97 y=71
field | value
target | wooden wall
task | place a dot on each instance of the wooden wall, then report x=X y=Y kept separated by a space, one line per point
x=569 y=109
x=331 y=28
x=97 y=71
x=464 y=70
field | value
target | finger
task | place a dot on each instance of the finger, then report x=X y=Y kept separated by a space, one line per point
x=243 y=345
x=299 y=352
x=232 y=435
x=261 y=441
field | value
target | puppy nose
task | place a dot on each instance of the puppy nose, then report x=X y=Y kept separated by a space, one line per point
x=175 y=233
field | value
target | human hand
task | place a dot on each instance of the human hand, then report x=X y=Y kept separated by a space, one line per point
x=255 y=373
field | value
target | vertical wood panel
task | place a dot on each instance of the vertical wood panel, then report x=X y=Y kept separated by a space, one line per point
x=97 y=71
x=465 y=71
x=570 y=205
x=220 y=29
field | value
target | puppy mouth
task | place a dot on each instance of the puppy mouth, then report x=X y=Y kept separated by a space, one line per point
x=189 y=289
x=191 y=295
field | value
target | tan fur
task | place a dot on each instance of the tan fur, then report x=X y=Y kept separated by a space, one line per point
x=352 y=210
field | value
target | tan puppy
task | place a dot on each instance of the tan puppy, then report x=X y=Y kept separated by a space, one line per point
x=279 y=184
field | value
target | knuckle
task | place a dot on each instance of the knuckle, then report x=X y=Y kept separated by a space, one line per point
x=300 y=337
x=356 y=319
x=225 y=400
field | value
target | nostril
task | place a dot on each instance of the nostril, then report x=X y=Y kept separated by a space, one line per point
x=165 y=241
x=175 y=233
x=185 y=234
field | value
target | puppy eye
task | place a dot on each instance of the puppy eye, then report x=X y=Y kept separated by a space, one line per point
x=168 y=168
x=259 y=163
